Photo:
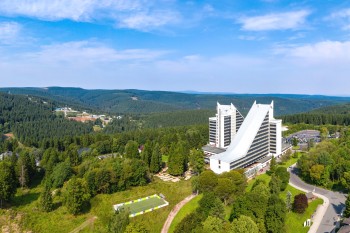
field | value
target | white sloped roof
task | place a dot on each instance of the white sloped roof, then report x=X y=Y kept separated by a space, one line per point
x=241 y=143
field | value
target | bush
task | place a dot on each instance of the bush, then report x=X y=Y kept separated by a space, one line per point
x=300 y=203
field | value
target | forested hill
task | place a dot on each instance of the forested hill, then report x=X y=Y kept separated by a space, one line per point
x=139 y=101
x=335 y=115
x=31 y=119
x=335 y=109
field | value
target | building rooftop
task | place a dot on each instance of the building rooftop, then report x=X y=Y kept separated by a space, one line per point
x=212 y=149
x=240 y=144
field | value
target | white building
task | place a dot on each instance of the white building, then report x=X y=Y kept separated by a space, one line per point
x=259 y=136
x=224 y=126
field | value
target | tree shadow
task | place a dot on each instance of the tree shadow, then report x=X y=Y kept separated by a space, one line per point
x=338 y=208
x=56 y=205
x=86 y=208
x=25 y=199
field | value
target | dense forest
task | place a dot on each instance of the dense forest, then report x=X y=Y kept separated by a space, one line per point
x=318 y=119
x=32 y=120
x=73 y=163
x=333 y=115
x=139 y=101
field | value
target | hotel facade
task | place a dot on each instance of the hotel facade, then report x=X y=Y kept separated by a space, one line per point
x=235 y=142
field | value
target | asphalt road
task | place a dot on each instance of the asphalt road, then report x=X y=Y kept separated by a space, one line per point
x=336 y=202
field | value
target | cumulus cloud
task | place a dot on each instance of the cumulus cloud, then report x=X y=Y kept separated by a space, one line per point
x=135 y=14
x=275 y=21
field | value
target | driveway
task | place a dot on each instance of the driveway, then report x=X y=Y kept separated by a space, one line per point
x=327 y=214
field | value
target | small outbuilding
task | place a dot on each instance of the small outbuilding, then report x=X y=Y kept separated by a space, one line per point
x=310 y=196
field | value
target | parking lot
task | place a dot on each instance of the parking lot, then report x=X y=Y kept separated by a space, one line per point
x=304 y=136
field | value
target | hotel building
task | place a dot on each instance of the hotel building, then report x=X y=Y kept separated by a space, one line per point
x=255 y=139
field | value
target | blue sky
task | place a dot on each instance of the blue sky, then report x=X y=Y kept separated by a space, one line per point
x=238 y=46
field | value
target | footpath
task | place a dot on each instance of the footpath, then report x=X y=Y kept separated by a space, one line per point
x=174 y=211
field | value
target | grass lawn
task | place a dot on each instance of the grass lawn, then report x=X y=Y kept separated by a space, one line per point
x=144 y=205
x=184 y=211
x=59 y=220
x=264 y=177
x=294 y=221
x=101 y=206
x=165 y=158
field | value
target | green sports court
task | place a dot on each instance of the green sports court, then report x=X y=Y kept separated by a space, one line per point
x=142 y=205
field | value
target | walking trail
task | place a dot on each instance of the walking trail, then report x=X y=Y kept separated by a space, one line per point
x=174 y=211
x=84 y=224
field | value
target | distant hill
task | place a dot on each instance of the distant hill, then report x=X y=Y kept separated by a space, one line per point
x=142 y=102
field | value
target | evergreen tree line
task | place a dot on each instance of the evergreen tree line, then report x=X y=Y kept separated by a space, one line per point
x=317 y=119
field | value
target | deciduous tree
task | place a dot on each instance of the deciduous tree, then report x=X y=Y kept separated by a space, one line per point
x=300 y=203
x=244 y=224
x=118 y=221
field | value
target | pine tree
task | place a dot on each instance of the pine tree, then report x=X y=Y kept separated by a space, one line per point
x=7 y=182
x=275 y=185
x=273 y=164
x=76 y=195
x=155 y=165
x=146 y=154
x=45 y=199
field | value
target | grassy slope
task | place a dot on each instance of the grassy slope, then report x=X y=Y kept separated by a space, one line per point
x=101 y=206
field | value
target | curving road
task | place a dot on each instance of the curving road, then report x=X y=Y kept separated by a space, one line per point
x=327 y=214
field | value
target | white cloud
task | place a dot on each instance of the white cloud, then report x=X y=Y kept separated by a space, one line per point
x=87 y=52
x=135 y=14
x=343 y=16
x=77 y=10
x=143 y=21
x=9 y=31
x=275 y=21
x=322 y=51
